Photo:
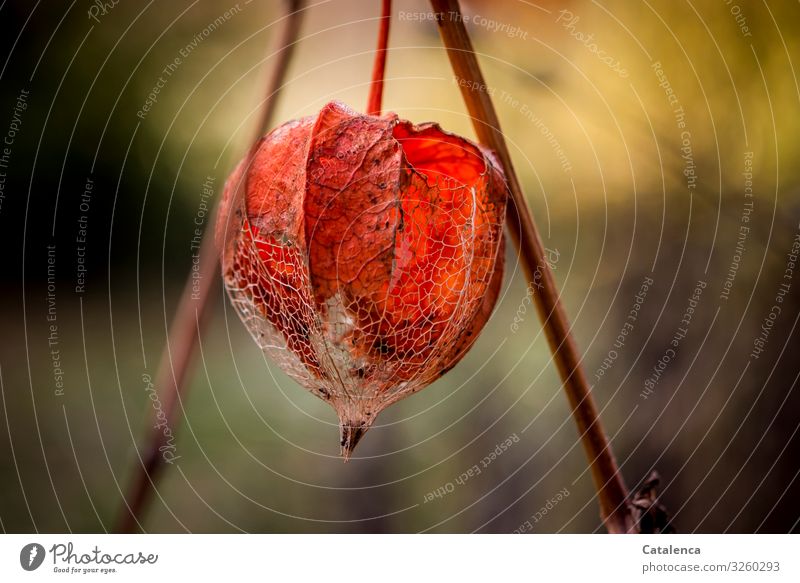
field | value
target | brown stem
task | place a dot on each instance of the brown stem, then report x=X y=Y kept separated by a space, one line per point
x=379 y=68
x=611 y=489
x=193 y=312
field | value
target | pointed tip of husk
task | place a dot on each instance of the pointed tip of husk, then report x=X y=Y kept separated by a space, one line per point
x=350 y=434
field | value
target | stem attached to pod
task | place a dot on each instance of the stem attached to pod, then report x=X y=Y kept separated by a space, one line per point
x=379 y=68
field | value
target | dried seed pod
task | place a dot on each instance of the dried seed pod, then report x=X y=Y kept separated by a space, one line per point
x=365 y=255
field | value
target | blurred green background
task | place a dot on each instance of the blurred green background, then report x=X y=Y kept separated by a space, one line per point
x=598 y=148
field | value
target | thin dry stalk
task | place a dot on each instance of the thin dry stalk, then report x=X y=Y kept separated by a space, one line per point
x=194 y=309
x=379 y=67
x=611 y=490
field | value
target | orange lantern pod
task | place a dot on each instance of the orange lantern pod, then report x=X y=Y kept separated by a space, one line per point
x=365 y=255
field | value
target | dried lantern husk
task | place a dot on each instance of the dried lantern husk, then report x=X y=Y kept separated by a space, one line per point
x=364 y=256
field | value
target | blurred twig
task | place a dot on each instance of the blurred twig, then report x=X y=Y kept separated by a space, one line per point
x=194 y=308
x=611 y=490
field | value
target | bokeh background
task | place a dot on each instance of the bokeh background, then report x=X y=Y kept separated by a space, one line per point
x=598 y=147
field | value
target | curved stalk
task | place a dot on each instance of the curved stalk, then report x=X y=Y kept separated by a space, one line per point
x=193 y=312
x=612 y=493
